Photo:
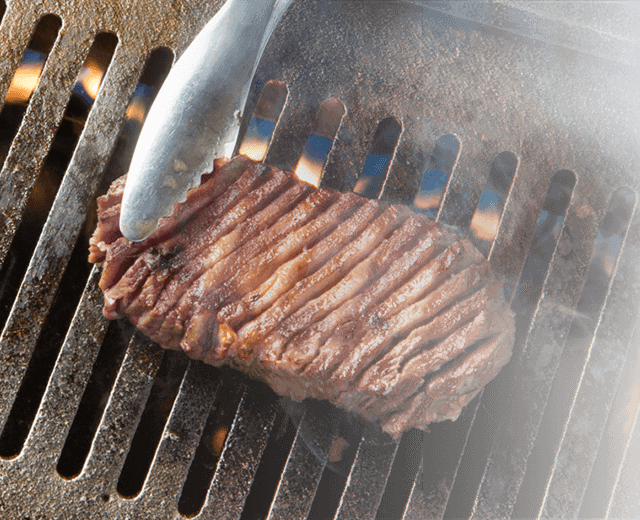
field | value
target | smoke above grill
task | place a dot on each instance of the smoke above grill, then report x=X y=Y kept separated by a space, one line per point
x=515 y=123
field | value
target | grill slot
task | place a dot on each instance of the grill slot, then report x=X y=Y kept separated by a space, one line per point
x=52 y=319
x=485 y=90
x=257 y=136
x=486 y=217
x=220 y=418
x=121 y=417
x=179 y=441
x=310 y=450
x=26 y=79
x=152 y=423
x=596 y=392
x=576 y=346
x=94 y=398
x=404 y=473
x=239 y=460
x=46 y=352
x=67 y=381
x=443 y=448
x=319 y=143
x=334 y=478
x=367 y=478
x=437 y=175
x=373 y=176
x=151 y=79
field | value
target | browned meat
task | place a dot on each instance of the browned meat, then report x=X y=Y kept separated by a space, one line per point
x=318 y=293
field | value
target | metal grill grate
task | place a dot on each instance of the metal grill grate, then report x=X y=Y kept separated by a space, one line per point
x=499 y=77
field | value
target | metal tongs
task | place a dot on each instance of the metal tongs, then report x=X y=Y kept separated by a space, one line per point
x=196 y=115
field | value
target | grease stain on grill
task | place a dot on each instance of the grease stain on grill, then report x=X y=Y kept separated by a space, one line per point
x=436 y=177
x=26 y=78
x=311 y=164
x=611 y=235
x=266 y=114
x=374 y=173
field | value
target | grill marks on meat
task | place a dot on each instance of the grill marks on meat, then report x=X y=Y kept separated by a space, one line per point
x=318 y=293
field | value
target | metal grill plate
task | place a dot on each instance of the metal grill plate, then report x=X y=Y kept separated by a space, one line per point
x=488 y=80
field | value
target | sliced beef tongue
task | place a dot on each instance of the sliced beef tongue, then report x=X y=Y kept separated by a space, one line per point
x=319 y=293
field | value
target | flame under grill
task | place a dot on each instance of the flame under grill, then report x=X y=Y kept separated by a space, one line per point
x=541 y=169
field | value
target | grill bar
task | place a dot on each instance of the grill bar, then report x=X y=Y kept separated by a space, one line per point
x=367 y=478
x=526 y=382
x=596 y=390
x=417 y=504
x=41 y=120
x=304 y=467
x=178 y=444
x=239 y=460
x=69 y=378
x=121 y=416
x=61 y=231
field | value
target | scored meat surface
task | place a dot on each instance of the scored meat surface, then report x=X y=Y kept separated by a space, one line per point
x=318 y=293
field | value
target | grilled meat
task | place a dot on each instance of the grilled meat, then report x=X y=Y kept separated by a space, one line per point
x=318 y=293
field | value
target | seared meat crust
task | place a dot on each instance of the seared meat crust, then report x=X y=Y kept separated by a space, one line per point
x=318 y=293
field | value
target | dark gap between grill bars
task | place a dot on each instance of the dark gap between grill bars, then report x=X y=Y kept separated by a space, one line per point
x=152 y=422
x=334 y=477
x=45 y=353
x=318 y=146
x=436 y=177
x=48 y=181
x=86 y=421
x=487 y=419
x=25 y=79
x=486 y=217
x=273 y=460
x=15 y=105
x=545 y=240
x=446 y=441
x=212 y=441
x=403 y=473
x=611 y=452
x=77 y=271
x=3 y=7
x=266 y=114
x=585 y=319
x=374 y=173
x=94 y=399
x=153 y=75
